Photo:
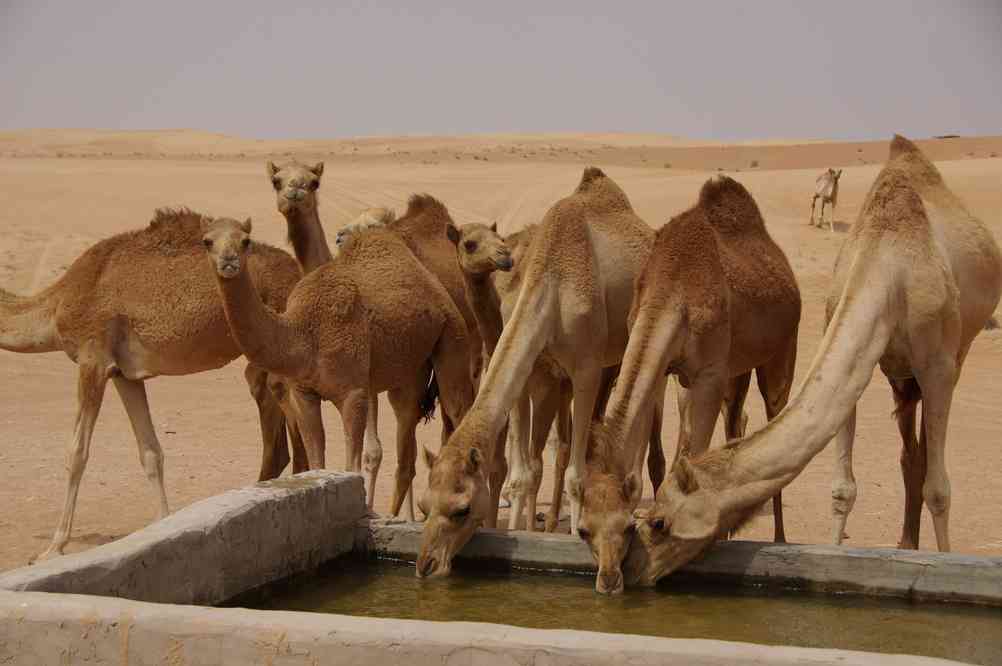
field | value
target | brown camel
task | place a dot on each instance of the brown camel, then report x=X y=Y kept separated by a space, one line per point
x=352 y=328
x=574 y=300
x=482 y=254
x=916 y=280
x=716 y=301
x=135 y=306
x=422 y=227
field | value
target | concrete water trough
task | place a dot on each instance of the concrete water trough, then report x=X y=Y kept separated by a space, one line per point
x=165 y=593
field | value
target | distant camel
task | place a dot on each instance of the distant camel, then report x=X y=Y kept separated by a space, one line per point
x=827 y=189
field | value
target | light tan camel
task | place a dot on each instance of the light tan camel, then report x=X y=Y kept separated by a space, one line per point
x=135 y=306
x=915 y=282
x=370 y=217
x=574 y=300
x=716 y=301
x=826 y=189
x=487 y=260
x=352 y=328
x=482 y=253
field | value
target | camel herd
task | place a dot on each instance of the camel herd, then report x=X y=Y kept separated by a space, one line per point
x=579 y=320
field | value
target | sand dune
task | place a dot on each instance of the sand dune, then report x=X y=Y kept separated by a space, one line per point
x=61 y=190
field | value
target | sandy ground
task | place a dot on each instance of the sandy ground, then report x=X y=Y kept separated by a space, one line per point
x=62 y=190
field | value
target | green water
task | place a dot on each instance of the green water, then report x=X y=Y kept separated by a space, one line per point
x=546 y=601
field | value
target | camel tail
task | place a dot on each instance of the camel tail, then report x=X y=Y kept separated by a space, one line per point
x=427 y=403
x=27 y=324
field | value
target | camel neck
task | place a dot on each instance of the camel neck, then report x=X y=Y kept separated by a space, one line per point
x=308 y=240
x=655 y=338
x=856 y=338
x=486 y=304
x=265 y=337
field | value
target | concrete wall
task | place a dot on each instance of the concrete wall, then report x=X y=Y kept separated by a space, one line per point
x=46 y=629
x=215 y=549
x=901 y=573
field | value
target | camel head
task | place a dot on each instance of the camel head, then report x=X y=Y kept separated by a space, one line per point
x=455 y=504
x=606 y=523
x=836 y=174
x=480 y=249
x=226 y=241
x=296 y=186
x=684 y=521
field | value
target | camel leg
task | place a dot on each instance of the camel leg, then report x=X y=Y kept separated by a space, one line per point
x=813 y=202
x=372 y=450
x=406 y=404
x=354 y=410
x=499 y=471
x=775 y=380
x=274 y=444
x=90 y=392
x=151 y=455
x=544 y=410
x=831 y=220
x=821 y=217
x=562 y=459
x=735 y=419
x=937 y=383
x=706 y=396
x=844 y=485
x=913 y=464
x=281 y=393
x=306 y=407
x=655 y=451
x=587 y=384
x=520 y=478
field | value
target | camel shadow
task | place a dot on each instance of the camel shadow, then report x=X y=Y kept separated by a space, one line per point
x=838 y=227
x=91 y=539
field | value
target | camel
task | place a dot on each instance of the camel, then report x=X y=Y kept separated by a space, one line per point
x=369 y=217
x=132 y=307
x=422 y=227
x=716 y=301
x=352 y=329
x=492 y=289
x=826 y=188
x=916 y=280
x=574 y=300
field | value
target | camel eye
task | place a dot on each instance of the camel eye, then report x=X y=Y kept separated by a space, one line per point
x=658 y=524
x=207 y=242
x=276 y=183
x=584 y=534
x=314 y=185
x=471 y=246
x=245 y=243
x=460 y=514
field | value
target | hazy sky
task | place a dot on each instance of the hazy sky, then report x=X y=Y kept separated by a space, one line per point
x=723 y=70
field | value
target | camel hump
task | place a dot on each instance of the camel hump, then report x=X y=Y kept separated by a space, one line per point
x=904 y=154
x=176 y=217
x=422 y=204
x=602 y=191
x=894 y=203
x=901 y=145
x=728 y=206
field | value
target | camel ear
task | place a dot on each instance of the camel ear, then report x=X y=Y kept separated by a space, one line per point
x=494 y=227
x=473 y=462
x=318 y=169
x=246 y=226
x=684 y=476
x=429 y=458
x=453 y=233
x=272 y=169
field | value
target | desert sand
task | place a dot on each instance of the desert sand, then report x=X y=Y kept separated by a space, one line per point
x=62 y=190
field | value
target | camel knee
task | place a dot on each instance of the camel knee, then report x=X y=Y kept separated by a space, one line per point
x=843 y=497
x=936 y=495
